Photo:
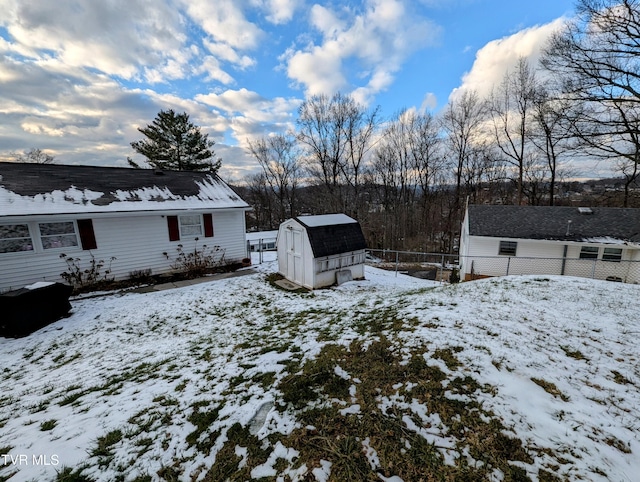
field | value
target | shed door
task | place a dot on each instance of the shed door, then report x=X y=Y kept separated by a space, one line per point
x=294 y=255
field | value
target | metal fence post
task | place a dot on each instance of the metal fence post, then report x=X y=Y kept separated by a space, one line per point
x=397 y=263
x=508 y=264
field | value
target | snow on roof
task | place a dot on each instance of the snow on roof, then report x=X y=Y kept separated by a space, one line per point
x=325 y=220
x=57 y=189
x=609 y=240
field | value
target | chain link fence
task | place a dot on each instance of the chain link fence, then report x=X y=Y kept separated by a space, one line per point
x=438 y=267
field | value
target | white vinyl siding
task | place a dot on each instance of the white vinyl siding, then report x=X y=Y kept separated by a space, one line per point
x=137 y=243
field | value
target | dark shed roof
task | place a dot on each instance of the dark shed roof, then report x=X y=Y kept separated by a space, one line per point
x=562 y=223
x=331 y=239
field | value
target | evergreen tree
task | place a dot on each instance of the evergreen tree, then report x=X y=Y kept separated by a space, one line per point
x=175 y=143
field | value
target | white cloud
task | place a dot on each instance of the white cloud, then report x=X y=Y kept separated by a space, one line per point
x=281 y=11
x=115 y=37
x=430 y=102
x=250 y=115
x=225 y=22
x=500 y=56
x=377 y=39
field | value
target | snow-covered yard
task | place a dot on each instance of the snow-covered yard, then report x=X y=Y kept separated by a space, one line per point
x=207 y=381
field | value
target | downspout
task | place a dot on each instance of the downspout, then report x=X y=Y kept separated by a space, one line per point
x=564 y=259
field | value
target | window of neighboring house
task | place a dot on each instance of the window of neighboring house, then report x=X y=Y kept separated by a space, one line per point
x=15 y=238
x=612 y=254
x=589 y=252
x=190 y=225
x=58 y=235
x=508 y=248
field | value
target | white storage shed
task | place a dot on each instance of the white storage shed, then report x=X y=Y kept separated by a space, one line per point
x=318 y=251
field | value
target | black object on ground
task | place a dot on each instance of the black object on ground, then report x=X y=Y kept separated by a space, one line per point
x=28 y=309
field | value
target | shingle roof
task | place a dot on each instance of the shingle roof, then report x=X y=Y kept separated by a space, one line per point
x=563 y=223
x=327 y=238
x=56 y=188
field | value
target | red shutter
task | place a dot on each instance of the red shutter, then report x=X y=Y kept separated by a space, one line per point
x=174 y=230
x=208 y=225
x=87 y=236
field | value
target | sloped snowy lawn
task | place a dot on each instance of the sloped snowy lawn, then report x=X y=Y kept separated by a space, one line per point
x=153 y=386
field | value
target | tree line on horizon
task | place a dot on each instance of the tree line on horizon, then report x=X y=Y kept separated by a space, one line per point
x=407 y=179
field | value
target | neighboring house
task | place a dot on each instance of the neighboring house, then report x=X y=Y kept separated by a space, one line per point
x=318 y=251
x=261 y=241
x=138 y=216
x=602 y=243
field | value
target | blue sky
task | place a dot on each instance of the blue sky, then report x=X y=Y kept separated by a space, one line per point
x=77 y=77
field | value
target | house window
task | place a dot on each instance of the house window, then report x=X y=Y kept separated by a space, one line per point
x=612 y=254
x=58 y=235
x=190 y=225
x=589 y=252
x=508 y=248
x=14 y=238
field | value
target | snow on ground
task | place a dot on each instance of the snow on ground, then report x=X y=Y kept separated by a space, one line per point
x=140 y=363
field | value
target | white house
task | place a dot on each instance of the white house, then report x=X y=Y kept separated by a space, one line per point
x=262 y=240
x=602 y=243
x=318 y=251
x=132 y=215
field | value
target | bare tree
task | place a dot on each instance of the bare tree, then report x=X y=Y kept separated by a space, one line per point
x=336 y=133
x=552 y=130
x=463 y=123
x=511 y=110
x=407 y=164
x=596 y=60
x=278 y=156
x=34 y=156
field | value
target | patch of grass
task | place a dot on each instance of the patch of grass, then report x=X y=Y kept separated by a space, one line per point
x=104 y=444
x=389 y=384
x=265 y=379
x=620 y=378
x=577 y=354
x=143 y=478
x=72 y=397
x=170 y=474
x=60 y=361
x=448 y=357
x=619 y=444
x=145 y=444
x=48 y=425
x=203 y=419
x=67 y=474
x=550 y=388
x=227 y=464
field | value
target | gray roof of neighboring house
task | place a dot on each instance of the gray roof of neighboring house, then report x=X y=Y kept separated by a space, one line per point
x=560 y=223
x=333 y=234
x=57 y=189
